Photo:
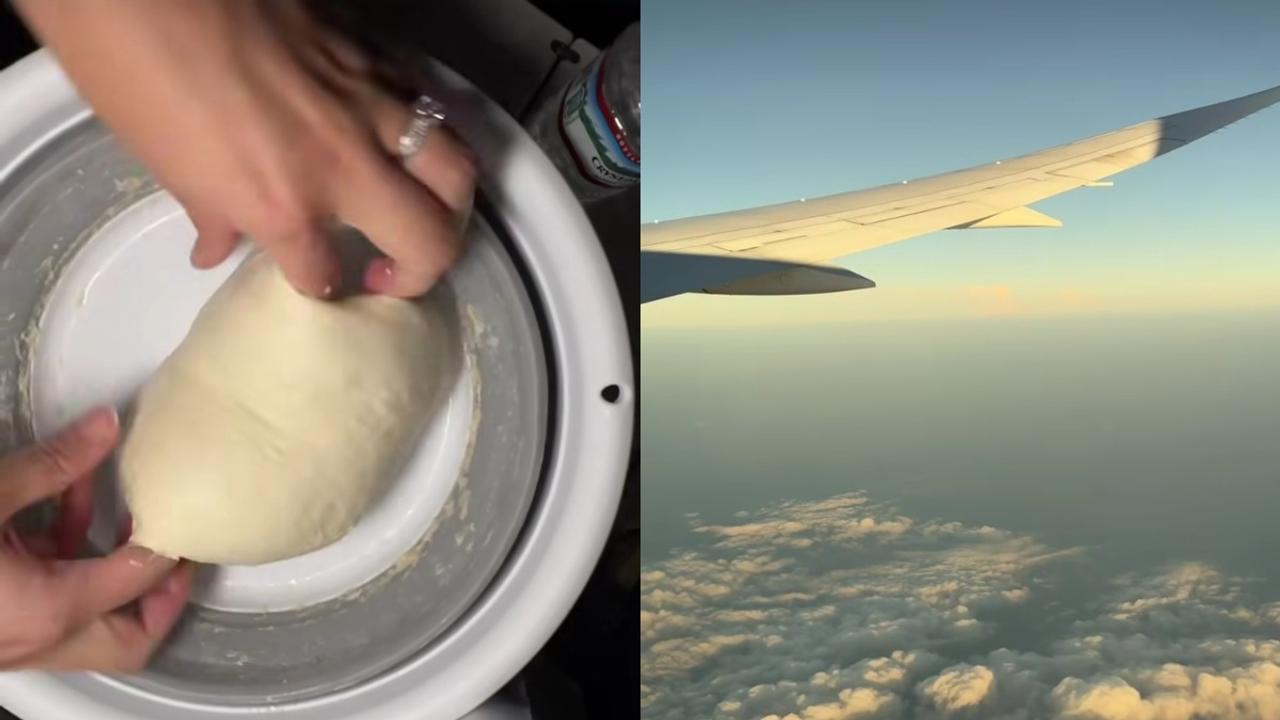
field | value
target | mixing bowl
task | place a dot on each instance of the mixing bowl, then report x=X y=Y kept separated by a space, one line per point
x=463 y=568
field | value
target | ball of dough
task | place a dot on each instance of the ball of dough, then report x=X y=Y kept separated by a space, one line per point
x=276 y=421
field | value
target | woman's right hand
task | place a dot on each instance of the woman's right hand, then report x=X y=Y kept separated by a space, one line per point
x=263 y=123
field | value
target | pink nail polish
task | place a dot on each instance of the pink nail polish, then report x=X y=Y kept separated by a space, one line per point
x=97 y=423
x=379 y=276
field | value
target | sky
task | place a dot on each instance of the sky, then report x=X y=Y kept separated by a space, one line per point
x=1030 y=475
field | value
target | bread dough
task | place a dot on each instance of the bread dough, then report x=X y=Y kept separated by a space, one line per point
x=276 y=421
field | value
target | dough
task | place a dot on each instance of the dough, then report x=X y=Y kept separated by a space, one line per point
x=276 y=421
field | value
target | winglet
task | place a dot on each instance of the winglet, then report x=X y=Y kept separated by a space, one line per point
x=1181 y=128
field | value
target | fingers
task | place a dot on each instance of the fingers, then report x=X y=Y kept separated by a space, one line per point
x=339 y=63
x=444 y=164
x=124 y=640
x=445 y=167
x=306 y=258
x=88 y=588
x=43 y=470
x=159 y=609
x=406 y=222
x=413 y=211
x=216 y=239
x=75 y=514
x=15 y=542
x=343 y=56
x=294 y=240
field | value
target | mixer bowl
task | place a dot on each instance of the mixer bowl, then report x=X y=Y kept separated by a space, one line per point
x=464 y=568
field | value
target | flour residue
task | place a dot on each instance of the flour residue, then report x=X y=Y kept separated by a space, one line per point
x=49 y=271
x=459 y=501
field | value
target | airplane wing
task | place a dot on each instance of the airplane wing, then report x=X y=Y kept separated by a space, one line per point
x=784 y=248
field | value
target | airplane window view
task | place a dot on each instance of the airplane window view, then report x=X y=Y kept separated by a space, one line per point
x=985 y=426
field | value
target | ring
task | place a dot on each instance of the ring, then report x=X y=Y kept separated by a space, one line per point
x=427 y=113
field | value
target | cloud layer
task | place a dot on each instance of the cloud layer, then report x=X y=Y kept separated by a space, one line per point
x=845 y=608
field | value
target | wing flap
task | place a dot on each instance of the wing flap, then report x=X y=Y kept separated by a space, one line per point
x=799 y=280
x=668 y=274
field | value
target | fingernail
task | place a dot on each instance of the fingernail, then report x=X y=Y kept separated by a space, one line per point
x=324 y=288
x=198 y=259
x=140 y=556
x=333 y=283
x=98 y=424
x=379 y=277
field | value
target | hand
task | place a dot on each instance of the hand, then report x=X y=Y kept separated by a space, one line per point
x=261 y=122
x=63 y=614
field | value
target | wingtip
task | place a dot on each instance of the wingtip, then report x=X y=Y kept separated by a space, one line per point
x=1190 y=125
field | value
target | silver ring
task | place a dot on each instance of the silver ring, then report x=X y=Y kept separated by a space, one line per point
x=427 y=113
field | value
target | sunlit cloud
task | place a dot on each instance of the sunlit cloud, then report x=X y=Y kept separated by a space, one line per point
x=848 y=634
x=958 y=688
x=888 y=616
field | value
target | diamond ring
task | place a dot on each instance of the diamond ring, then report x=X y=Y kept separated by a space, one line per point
x=427 y=113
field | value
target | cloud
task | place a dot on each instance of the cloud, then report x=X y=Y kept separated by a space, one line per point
x=1180 y=694
x=659 y=624
x=891 y=672
x=958 y=688
x=850 y=633
x=678 y=655
x=846 y=608
x=862 y=703
x=853 y=703
x=1188 y=595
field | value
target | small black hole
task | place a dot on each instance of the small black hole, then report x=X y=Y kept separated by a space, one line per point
x=611 y=393
x=564 y=52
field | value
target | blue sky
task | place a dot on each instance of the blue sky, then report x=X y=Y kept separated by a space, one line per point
x=749 y=103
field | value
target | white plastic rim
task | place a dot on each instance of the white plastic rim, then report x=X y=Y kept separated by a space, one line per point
x=569 y=523
x=85 y=356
